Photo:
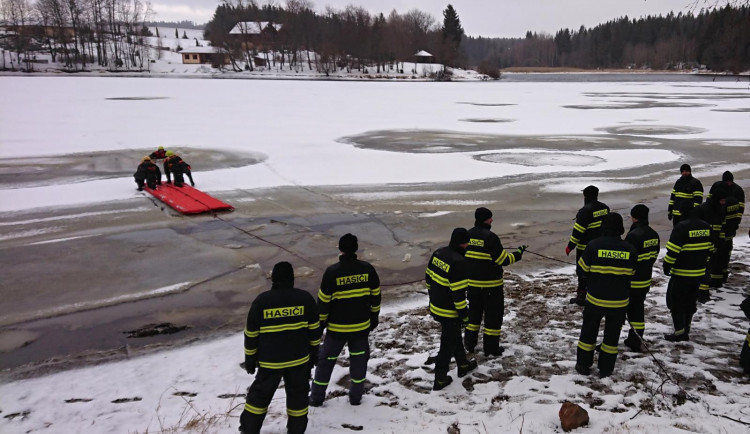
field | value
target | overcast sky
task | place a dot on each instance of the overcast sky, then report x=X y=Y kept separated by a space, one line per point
x=501 y=18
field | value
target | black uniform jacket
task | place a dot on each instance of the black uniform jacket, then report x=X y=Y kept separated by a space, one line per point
x=147 y=170
x=282 y=327
x=646 y=242
x=735 y=207
x=447 y=280
x=175 y=164
x=686 y=188
x=486 y=257
x=609 y=264
x=713 y=214
x=588 y=224
x=349 y=296
x=688 y=248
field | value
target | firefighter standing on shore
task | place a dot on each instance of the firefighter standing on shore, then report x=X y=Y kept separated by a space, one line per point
x=688 y=249
x=686 y=189
x=587 y=227
x=713 y=212
x=735 y=208
x=646 y=241
x=609 y=263
x=282 y=336
x=486 y=257
x=447 y=279
x=349 y=306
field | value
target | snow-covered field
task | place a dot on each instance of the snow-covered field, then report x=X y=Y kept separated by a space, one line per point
x=298 y=128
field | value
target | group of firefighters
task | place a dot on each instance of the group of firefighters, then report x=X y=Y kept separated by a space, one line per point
x=148 y=172
x=465 y=286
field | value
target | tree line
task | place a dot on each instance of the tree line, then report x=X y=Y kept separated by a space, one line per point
x=351 y=38
x=717 y=38
x=77 y=33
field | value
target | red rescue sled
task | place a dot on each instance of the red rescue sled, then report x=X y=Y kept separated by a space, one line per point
x=187 y=199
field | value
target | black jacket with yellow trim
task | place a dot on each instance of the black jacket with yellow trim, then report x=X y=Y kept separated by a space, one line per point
x=349 y=296
x=486 y=257
x=588 y=225
x=646 y=242
x=688 y=248
x=686 y=188
x=735 y=206
x=609 y=263
x=714 y=214
x=447 y=280
x=282 y=328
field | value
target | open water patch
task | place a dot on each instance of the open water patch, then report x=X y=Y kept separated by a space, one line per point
x=629 y=105
x=486 y=104
x=136 y=98
x=734 y=110
x=537 y=159
x=487 y=120
x=649 y=130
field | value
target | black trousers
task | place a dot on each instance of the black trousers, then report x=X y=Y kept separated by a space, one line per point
x=297 y=387
x=720 y=266
x=451 y=346
x=682 y=297
x=636 y=313
x=745 y=354
x=490 y=304
x=359 y=354
x=150 y=181
x=592 y=318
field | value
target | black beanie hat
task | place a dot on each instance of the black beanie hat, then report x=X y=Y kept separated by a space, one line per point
x=348 y=243
x=459 y=236
x=613 y=222
x=686 y=167
x=282 y=272
x=482 y=214
x=591 y=191
x=727 y=176
x=640 y=212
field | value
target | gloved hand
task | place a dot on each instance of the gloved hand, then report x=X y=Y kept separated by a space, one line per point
x=250 y=363
x=568 y=250
x=464 y=321
x=669 y=216
x=374 y=321
x=667 y=269
x=522 y=249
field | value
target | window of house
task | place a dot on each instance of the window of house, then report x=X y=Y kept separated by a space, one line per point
x=195 y=57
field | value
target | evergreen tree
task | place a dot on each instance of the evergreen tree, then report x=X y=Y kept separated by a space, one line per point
x=176 y=35
x=452 y=33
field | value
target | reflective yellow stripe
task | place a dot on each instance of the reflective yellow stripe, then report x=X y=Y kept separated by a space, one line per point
x=585 y=346
x=297 y=413
x=282 y=365
x=647 y=256
x=609 y=349
x=443 y=312
x=251 y=352
x=375 y=291
x=325 y=298
x=607 y=303
x=437 y=278
x=313 y=326
x=491 y=332
x=579 y=228
x=640 y=284
x=594 y=225
x=697 y=247
x=352 y=293
x=314 y=343
x=283 y=327
x=348 y=328
x=618 y=271
x=478 y=255
x=485 y=283
x=255 y=410
x=682 y=195
x=673 y=247
x=688 y=273
x=253 y=334
x=375 y=309
x=584 y=266
x=461 y=284
x=472 y=327
x=323 y=316
x=638 y=325
x=460 y=305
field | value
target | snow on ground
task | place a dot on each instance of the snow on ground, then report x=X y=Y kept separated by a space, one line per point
x=200 y=388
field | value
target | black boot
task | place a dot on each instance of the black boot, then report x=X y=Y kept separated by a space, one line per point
x=442 y=380
x=468 y=367
x=677 y=338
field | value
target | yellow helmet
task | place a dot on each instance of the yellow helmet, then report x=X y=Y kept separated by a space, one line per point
x=146 y=158
x=161 y=148
x=170 y=153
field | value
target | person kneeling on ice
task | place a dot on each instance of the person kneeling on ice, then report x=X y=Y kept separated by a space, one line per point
x=147 y=172
x=447 y=279
x=174 y=165
x=159 y=153
x=282 y=336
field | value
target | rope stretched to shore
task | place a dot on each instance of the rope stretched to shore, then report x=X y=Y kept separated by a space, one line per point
x=549 y=257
